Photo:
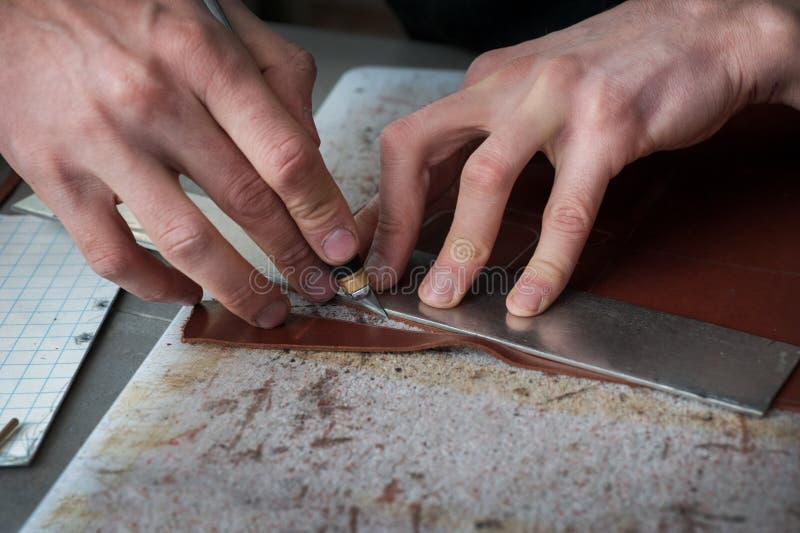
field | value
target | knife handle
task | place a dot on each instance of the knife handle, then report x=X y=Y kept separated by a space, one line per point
x=351 y=276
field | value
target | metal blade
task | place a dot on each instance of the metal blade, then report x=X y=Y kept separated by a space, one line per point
x=722 y=366
x=370 y=301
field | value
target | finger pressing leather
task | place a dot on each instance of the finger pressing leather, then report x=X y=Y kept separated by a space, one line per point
x=568 y=218
x=486 y=181
x=410 y=148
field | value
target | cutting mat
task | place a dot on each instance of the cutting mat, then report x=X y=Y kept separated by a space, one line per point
x=51 y=306
x=207 y=436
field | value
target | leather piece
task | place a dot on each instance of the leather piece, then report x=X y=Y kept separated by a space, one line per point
x=210 y=322
x=709 y=233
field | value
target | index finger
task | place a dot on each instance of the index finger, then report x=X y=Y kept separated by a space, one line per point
x=278 y=147
x=409 y=148
x=567 y=221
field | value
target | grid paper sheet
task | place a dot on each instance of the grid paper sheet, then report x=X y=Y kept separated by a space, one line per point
x=51 y=306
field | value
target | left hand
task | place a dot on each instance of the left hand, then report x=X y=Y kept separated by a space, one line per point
x=646 y=76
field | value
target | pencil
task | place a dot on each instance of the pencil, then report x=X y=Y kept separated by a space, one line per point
x=8 y=430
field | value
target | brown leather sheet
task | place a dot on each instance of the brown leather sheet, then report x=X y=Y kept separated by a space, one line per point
x=211 y=322
x=709 y=232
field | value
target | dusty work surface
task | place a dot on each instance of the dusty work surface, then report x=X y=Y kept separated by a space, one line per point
x=267 y=440
x=439 y=440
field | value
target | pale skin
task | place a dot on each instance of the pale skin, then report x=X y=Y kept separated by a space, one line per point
x=108 y=102
x=646 y=76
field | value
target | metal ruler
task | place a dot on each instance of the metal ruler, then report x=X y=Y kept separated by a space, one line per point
x=718 y=365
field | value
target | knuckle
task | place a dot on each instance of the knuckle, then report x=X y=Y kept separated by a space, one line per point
x=185 y=238
x=248 y=198
x=158 y=292
x=229 y=62
x=192 y=35
x=605 y=104
x=484 y=61
x=136 y=88
x=290 y=159
x=546 y=274
x=95 y=125
x=296 y=254
x=302 y=61
x=517 y=69
x=107 y=261
x=241 y=300
x=206 y=50
x=562 y=73
x=389 y=225
x=486 y=174
x=399 y=133
x=702 y=9
x=569 y=218
x=314 y=212
x=482 y=66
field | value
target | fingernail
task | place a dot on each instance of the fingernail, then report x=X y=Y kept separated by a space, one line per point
x=339 y=245
x=437 y=289
x=524 y=304
x=273 y=315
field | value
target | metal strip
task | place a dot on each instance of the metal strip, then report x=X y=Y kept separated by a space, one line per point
x=717 y=365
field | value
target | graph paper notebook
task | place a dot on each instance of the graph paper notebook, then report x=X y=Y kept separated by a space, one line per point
x=51 y=306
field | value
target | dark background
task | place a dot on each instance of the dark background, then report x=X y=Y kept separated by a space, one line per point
x=477 y=25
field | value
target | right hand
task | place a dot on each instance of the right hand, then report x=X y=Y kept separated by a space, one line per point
x=107 y=102
x=593 y=98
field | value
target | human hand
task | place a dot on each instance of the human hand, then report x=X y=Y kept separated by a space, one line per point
x=107 y=102
x=646 y=76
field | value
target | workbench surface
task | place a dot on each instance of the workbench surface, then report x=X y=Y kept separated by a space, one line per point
x=206 y=436
x=134 y=326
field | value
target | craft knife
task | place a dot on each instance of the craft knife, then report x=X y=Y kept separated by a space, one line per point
x=8 y=430
x=353 y=281
x=218 y=12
